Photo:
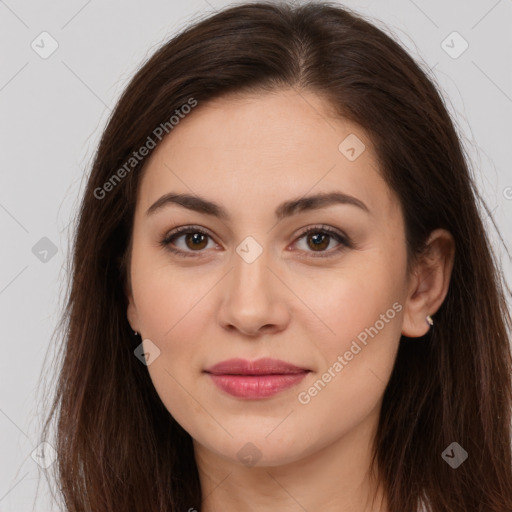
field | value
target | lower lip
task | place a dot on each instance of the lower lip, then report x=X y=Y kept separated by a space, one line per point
x=256 y=386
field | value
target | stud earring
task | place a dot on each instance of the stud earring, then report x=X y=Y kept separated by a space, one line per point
x=429 y=320
x=135 y=333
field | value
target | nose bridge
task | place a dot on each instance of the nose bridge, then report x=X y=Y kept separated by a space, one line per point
x=252 y=295
x=250 y=273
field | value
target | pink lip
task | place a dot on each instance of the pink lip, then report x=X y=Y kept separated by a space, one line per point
x=257 y=379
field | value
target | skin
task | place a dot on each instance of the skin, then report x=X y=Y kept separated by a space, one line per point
x=249 y=154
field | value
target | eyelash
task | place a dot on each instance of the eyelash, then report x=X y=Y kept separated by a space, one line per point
x=344 y=241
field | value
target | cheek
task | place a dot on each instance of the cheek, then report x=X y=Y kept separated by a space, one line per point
x=168 y=297
x=173 y=316
x=360 y=310
x=357 y=352
x=348 y=301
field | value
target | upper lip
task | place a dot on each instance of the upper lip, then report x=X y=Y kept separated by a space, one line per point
x=263 y=366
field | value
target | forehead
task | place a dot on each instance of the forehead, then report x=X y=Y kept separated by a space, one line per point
x=254 y=147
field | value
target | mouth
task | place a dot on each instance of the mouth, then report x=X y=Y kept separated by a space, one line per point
x=255 y=379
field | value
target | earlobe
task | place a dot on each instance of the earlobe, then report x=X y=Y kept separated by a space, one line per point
x=429 y=283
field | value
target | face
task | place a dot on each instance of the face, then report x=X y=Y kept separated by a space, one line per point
x=318 y=285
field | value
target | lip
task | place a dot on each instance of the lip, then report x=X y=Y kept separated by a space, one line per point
x=263 y=366
x=255 y=379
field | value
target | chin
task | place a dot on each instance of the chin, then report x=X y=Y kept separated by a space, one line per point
x=258 y=451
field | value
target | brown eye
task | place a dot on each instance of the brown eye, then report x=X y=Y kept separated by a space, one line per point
x=318 y=241
x=196 y=240
x=319 y=238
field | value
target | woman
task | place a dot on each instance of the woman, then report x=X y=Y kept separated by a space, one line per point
x=282 y=293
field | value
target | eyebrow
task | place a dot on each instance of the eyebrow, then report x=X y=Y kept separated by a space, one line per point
x=286 y=209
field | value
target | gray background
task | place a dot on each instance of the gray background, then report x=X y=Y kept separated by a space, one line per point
x=52 y=112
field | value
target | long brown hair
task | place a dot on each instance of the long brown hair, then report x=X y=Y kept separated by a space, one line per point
x=118 y=447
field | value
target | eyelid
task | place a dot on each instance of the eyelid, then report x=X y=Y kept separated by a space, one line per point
x=165 y=241
x=343 y=240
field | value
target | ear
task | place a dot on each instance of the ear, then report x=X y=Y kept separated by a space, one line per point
x=428 y=283
x=131 y=310
x=131 y=313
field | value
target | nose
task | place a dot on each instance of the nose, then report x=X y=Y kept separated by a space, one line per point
x=254 y=298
